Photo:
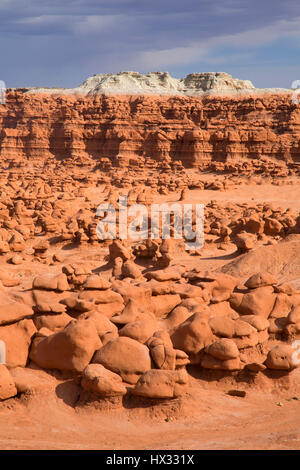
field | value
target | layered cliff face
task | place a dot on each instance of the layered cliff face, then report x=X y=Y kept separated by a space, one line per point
x=130 y=128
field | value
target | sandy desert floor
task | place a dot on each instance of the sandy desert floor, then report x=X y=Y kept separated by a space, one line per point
x=205 y=418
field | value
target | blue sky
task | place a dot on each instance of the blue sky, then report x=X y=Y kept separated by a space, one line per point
x=61 y=43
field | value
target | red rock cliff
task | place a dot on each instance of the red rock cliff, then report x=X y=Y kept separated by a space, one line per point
x=194 y=130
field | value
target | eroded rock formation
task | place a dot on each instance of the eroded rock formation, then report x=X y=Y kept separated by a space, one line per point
x=135 y=130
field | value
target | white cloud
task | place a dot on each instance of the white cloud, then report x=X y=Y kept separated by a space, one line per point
x=229 y=58
x=227 y=10
x=202 y=50
x=37 y=20
x=95 y=23
x=178 y=55
x=88 y=24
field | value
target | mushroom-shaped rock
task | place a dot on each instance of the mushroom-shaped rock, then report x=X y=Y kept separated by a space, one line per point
x=282 y=357
x=255 y=366
x=178 y=315
x=70 y=349
x=96 y=282
x=164 y=304
x=245 y=241
x=101 y=296
x=222 y=326
x=182 y=359
x=95 y=378
x=294 y=315
x=17 y=338
x=50 y=282
x=32 y=381
x=132 y=312
x=117 y=268
x=158 y=288
x=7 y=383
x=210 y=362
x=11 y=312
x=243 y=328
x=141 y=295
x=161 y=349
x=223 y=349
x=285 y=288
x=79 y=305
x=283 y=305
x=117 y=250
x=139 y=330
x=222 y=287
x=192 y=335
x=130 y=269
x=272 y=227
x=46 y=301
x=105 y=328
x=261 y=279
x=258 y=301
x=7 y=280
x=168 y=274
x=54 y=322
x=258 y=322
x=245 y=335
x=158 y=383
x=126 y=357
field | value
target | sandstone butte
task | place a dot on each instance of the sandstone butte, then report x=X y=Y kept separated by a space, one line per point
x=129 y=130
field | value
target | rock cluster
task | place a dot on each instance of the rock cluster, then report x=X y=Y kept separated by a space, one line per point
x=153 y=328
